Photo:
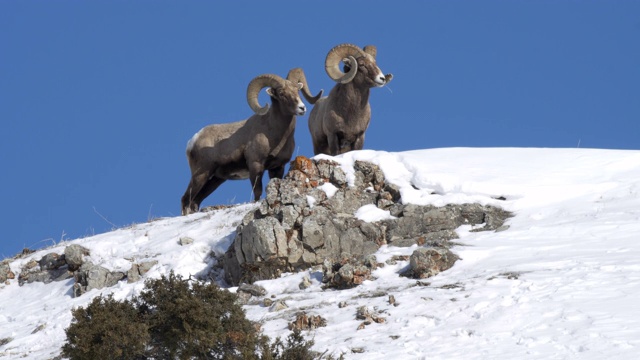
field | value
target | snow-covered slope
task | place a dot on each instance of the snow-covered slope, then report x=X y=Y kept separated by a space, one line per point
x=562 y=282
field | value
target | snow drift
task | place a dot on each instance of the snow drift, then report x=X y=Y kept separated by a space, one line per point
x=561 y=282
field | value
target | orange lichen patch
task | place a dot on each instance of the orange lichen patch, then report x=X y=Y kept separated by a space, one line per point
x=304 y=171
x=306 y=165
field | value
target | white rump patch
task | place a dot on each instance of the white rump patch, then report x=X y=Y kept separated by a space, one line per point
x=193 y=140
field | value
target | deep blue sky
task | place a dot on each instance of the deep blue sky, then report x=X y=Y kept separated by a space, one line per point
x=99 y=98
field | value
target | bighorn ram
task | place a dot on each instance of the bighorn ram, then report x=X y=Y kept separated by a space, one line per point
x=338 y=122
x=245 y=149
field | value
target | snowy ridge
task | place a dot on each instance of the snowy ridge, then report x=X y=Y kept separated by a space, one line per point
x=562 y=282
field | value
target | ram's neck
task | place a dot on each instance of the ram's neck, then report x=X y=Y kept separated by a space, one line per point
x=278 y=120
x=350 y=98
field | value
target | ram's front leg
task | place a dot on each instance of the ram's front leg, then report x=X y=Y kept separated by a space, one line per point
x=333 y=141
x=256 y=171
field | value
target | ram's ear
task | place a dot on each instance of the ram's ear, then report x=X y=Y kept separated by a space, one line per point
x=300 y=86
x=271 y=92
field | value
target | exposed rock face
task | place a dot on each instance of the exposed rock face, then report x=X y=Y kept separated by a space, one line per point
x=348 y=274
x=73 y=255
x=138 y=270
x=306 y=322
x=5 y=272
x=308 y=217
x=51 y=267
x=91 y=276
x=427 y=262
x=71 y=264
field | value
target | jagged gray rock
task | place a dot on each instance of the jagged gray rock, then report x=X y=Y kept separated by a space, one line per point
x=278 y=305
x=307 y=322
x=307 y=218
x=427 y=262
x=138 y=270
x=185 y=240
x=51 y=261
x=254 y=290
x=51 y=267
x=91 y=276
x=5 y=272
x=73 y=255
x=305 y=283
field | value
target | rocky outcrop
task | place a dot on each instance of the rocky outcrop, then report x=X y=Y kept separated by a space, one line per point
x=5 y=272
x=74 y=256
x=91 y=276
x=348 y=274
x=304 y=321
x=139 y=269
x=51 y=267
x=309 y=218
x=72 y=264
x=427 y=262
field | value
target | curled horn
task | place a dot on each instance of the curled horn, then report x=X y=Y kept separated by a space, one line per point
x=297 y=76
x=342 y=53
x=257 y=84
x=371 y=50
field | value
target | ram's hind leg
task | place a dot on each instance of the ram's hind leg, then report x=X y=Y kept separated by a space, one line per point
x=276 y=172
x=212 y=184
x=189 y=203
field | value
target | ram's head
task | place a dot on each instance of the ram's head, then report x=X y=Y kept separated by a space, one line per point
x=284 y=91
x=359 y=65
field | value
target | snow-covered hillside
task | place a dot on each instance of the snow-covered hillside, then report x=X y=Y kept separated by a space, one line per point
x=563 y=282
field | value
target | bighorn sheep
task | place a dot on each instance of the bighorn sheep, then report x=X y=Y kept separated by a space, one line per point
x=337 y=122
x=245 y=149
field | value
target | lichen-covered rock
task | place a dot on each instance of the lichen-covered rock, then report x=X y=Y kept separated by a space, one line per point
x=262 y=240
x=138 y=270
x=51 y=267
x=427 y=262
x=309 y=217
x=254 y=290
x=5 y=272
x=347 y=274
x=73 y=255
x=278 y=305
x=51 y=261
x=305 y=283
x=91 y=276
x=306 y=322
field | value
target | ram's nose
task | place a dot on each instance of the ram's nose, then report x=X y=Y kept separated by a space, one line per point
x=380 y=79
x=302 y=109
